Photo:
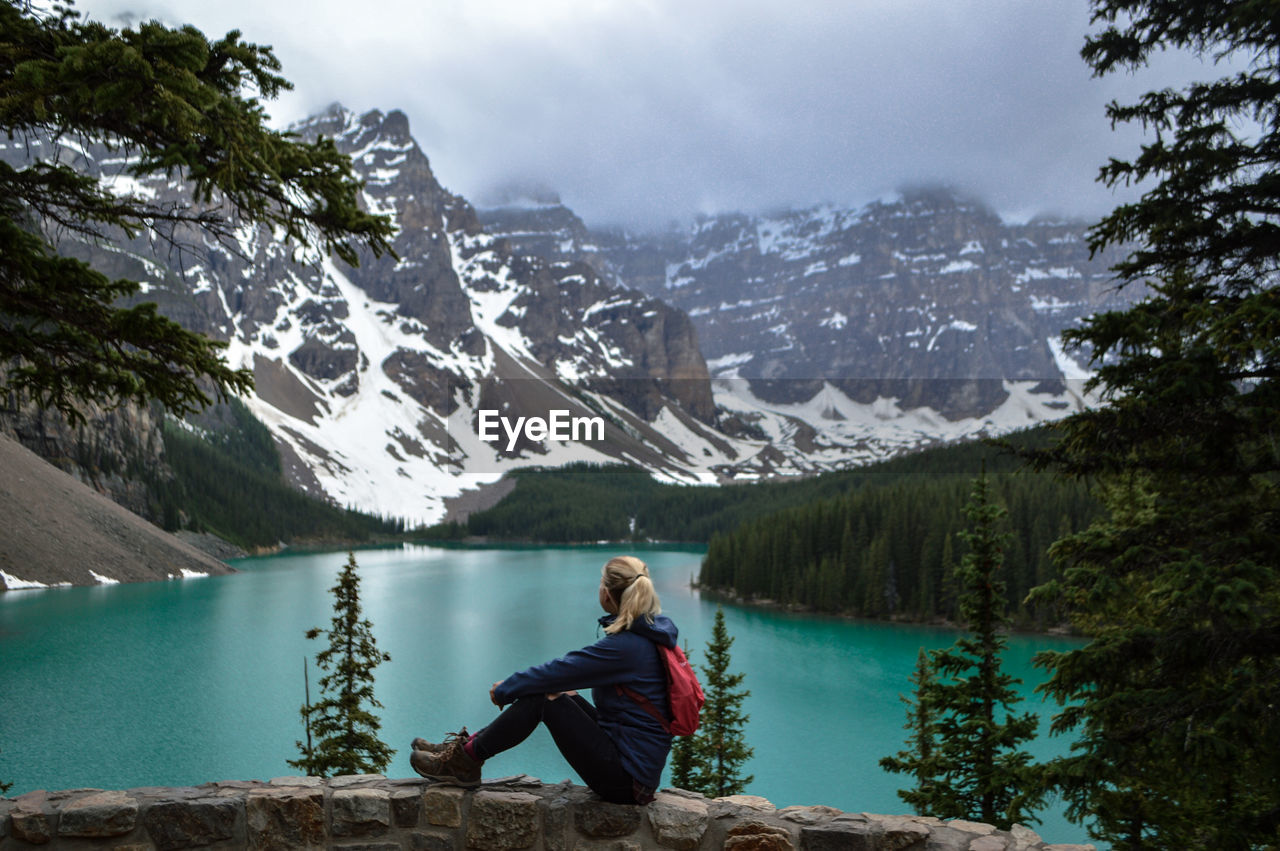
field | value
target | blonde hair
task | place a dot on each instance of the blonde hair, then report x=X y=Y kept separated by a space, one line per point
x=626 y=578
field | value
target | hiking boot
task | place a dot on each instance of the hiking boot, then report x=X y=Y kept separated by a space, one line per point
x=450 y=763
x=421 y=744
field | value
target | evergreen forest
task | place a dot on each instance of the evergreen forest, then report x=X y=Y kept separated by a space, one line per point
x=880 y=541
x=228 y=480
x=890 y=549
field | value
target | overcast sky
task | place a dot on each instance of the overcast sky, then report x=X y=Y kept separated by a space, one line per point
x=642 y=111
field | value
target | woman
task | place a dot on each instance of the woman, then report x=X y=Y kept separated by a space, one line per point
x=616 y=746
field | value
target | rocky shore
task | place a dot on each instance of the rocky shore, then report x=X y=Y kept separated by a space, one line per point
x=59 y=531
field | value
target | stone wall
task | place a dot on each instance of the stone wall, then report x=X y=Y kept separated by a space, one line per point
x=372 y=813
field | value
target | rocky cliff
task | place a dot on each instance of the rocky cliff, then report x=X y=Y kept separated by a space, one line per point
x=929 y=299
x=114 y=452
x=59 y=531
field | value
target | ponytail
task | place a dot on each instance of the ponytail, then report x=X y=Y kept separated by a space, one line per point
x=626 y=578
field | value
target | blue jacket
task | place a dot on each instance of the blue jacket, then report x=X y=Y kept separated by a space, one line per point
x=628 y=658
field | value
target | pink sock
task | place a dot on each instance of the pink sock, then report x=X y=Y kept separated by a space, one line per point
x=470 y=748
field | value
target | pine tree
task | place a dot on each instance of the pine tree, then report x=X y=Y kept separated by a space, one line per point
x=1173 y=702
x=169 y=101
x=719 y=747
x=919 y=759
x=344 y=730
x=971 y=753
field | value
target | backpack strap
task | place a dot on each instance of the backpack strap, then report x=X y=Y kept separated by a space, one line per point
x=646 y=704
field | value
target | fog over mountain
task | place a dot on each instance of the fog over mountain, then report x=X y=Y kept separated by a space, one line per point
x=638 y=113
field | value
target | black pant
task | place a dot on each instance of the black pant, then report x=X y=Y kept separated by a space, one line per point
x=572 y=723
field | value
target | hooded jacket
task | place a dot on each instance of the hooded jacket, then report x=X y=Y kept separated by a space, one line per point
x=629 y=658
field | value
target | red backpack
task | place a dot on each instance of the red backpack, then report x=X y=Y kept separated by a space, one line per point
x=684 y=690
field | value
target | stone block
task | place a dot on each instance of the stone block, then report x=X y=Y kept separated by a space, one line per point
x=99 y=815
x=943 y=838
x=808 y=815
x=359 y=812
x=897 y=833
x=603 y=820
x=502 y=821
x=164 y=792
x=367 y=846
x=678 y=822
x=405 y=807
x=31 y=826
x=990 y=842
x=346 y=781
x=522 y=781
x=193 y=823
x=758 y=836
x=31 y=818
x=1024 y=838
x=557 y=818
x=841 y=835
x=285 y=818
x=425 y=841
x=234 y=786
x=309 y=782
x=754 y=802
x=442 y=805
x=972 y=827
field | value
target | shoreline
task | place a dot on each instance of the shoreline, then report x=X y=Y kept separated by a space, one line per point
x=1057 y=631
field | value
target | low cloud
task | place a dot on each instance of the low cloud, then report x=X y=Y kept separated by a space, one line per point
x=640 y=113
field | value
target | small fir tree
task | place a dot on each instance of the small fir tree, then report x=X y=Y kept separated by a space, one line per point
x=920 y=758
x=975 y=769
x=719 y=747
x=344 y=730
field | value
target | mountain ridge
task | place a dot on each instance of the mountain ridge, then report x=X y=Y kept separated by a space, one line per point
x=372 y=378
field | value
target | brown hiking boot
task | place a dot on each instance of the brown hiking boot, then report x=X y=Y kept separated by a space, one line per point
x=421 y=744
x=450 y=763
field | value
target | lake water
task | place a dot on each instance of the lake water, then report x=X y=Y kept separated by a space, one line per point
x=183 y=682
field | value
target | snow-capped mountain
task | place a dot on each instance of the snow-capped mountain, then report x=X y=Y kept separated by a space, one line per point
x=373 y=378
x=928 y=299
x=401 y=383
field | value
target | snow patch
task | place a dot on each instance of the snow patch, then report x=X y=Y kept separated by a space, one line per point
x=958 y=266
x=13 y=583
x=1067 y=365
x=1052 y=303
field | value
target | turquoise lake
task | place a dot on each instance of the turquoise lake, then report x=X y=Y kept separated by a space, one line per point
x=184 y=682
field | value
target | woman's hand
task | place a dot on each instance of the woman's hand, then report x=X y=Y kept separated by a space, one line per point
x=492 y=689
